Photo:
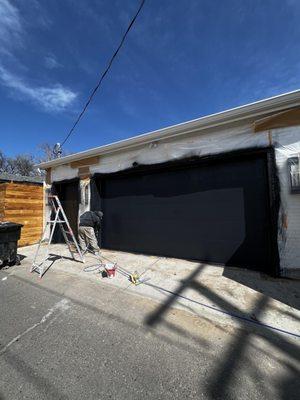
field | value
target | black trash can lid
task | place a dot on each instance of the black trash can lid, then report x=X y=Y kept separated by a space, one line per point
x=5 y=226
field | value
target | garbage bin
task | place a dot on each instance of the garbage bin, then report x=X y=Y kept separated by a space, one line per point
x=10 y=233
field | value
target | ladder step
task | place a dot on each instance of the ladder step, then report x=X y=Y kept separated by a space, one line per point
x=67 y=233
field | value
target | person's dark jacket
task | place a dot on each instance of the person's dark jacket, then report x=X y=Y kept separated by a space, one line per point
x=91 y=219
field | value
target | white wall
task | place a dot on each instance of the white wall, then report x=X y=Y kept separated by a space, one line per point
x=287 y=144
x=85 y=196
x=213 y=141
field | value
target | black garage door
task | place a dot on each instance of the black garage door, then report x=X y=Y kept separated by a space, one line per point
x=214 y=210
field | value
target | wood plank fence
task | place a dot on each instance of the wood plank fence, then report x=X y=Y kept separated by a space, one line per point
x=23 y=203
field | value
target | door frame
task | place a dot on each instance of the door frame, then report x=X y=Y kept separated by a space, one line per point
x=55 y=192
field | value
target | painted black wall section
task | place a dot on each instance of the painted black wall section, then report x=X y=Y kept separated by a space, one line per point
x=68 y=194
x=95 y=203
x=216 y=209
x=274 y=203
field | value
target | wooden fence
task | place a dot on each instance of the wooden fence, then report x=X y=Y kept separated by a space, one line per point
x=23 y=203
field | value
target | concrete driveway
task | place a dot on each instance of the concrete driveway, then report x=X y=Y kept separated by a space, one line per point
x=194 y=331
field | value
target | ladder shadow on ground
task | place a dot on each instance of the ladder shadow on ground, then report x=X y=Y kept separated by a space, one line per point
x=56 y=257
x=222 y=382
x=53 y=258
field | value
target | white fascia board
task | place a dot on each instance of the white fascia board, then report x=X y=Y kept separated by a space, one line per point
x=272 y=104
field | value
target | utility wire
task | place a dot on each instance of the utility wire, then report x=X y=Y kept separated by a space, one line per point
x=104 y=73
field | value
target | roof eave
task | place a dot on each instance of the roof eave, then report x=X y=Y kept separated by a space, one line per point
x=248 y=111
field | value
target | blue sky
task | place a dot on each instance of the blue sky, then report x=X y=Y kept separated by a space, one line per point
x=183 y=59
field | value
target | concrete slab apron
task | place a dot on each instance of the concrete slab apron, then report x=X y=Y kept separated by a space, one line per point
x=212 y=292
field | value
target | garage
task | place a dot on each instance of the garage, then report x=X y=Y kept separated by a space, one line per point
x=216 y=209
x=223 y=188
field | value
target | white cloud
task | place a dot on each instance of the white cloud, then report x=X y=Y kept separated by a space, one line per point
x=11 y=29
x=52 y=99
x=51 y=62
x=13 y=37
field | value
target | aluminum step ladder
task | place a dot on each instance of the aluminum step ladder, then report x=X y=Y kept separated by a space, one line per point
x=61 y=220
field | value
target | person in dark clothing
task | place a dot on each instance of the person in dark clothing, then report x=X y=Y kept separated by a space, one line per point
x=89 y=222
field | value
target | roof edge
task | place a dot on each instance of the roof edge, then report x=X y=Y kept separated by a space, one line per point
x=265 y=106
x=7 y=178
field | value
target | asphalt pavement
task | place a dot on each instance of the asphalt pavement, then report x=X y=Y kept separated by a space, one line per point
x=63 y=337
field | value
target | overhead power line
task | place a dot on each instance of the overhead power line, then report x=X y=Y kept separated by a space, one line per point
x=104 y=73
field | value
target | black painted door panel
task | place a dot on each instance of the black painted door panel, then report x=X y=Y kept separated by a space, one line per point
x=216 y=212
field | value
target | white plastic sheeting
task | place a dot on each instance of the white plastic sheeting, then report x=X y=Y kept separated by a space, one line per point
x=85 y=196
x=63 y=172
x=287 y=144
x=213 y=141
x=197 y=144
